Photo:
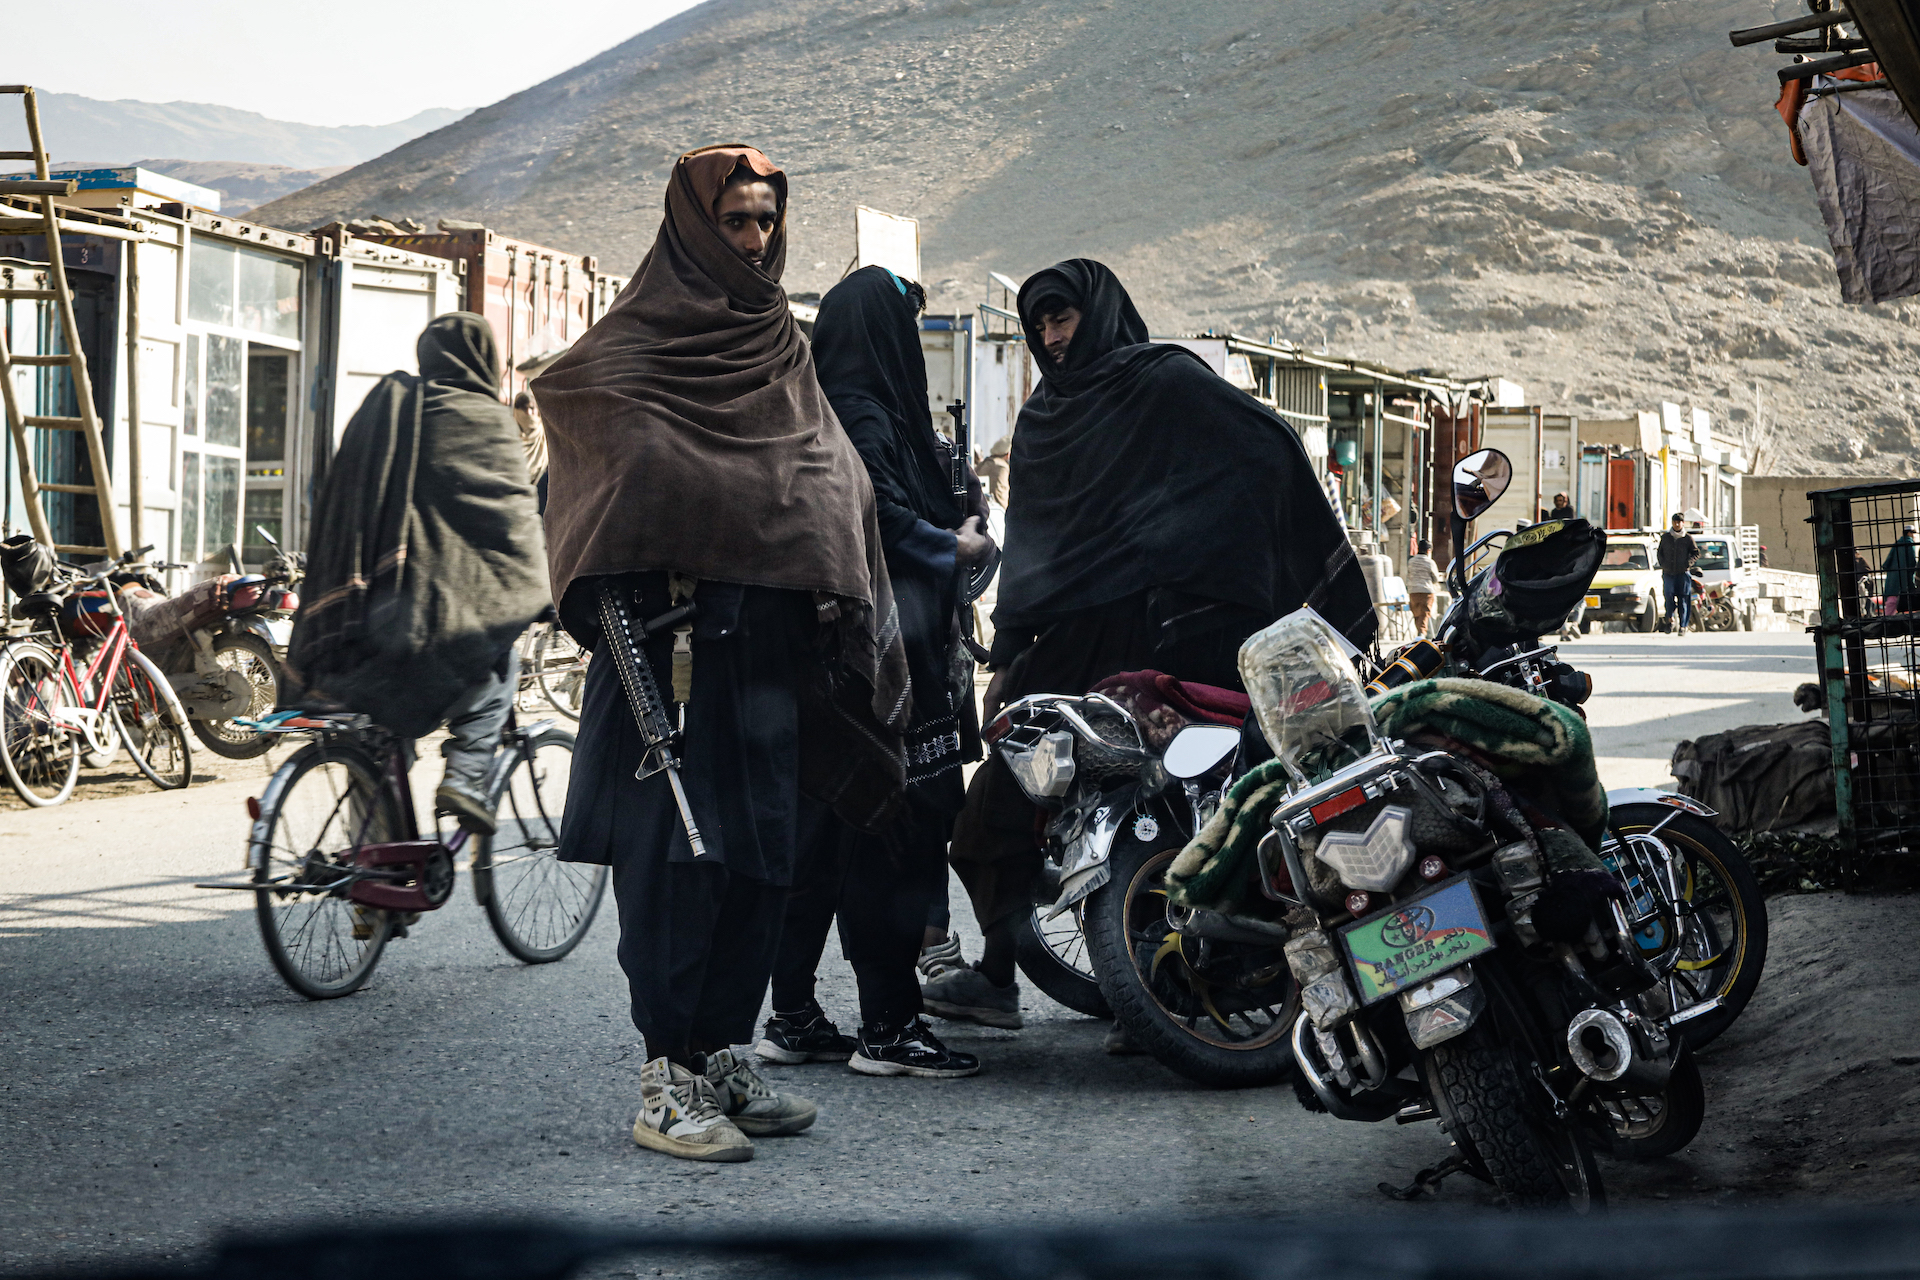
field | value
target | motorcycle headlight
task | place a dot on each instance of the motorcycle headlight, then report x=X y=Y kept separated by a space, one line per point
x=1044 y=770
x=1373 y=859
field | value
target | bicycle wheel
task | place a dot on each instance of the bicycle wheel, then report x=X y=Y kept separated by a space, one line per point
x=40 y=758
x=560 y=667
x=539 y=906
x=319 y=809
x=152 y=723
x=253 y=658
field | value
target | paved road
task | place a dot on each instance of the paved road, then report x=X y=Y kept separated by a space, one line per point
x=159 y=1085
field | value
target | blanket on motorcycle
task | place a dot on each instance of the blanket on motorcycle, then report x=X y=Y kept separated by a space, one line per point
x=1540 y=747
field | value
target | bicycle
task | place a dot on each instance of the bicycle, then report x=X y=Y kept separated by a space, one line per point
x=554 y=666
x=340 y=865
x=120 y=699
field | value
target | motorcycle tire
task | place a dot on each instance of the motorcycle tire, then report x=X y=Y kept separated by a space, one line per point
x=1720 y=618
x=1144 y=976
x=1718 y=875
x=1055 y=974
x=1480 y=1088
x=253 y=657
x=1664 y=1123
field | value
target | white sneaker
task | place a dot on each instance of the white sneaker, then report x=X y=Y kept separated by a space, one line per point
x=681 y=1115
x=941 y=958
x=750 y=1104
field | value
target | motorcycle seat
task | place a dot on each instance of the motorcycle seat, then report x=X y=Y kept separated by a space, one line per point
x=1163 y=704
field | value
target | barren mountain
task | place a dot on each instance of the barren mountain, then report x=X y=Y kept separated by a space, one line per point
x=80 y=126
x=242 y=185
x=1593 y=198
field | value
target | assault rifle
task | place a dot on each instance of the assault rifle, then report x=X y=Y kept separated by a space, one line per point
x=626 y=639
x=974 y=578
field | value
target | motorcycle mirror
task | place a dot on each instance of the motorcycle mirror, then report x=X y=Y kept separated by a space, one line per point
x=1478 y=481
x=1197 y=748
x=270 y=539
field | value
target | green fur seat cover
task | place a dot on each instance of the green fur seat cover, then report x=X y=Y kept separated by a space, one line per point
x=1541 y=747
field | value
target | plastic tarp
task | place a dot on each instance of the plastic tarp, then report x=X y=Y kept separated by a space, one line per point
x=1863 y=151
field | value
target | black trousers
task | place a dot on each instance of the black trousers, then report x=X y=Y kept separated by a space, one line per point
x=880 y=890
x=696 y=943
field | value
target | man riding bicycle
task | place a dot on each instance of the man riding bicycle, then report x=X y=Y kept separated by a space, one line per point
x=426 y=561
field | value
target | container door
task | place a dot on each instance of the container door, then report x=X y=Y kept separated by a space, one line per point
x=1516 y=434
x=1620 y=493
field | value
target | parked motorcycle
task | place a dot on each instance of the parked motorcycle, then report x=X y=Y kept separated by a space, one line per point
x=1117 y=811
x=222 y=643
x=1694 y=906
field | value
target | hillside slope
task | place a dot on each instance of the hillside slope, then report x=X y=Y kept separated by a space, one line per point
x=77 y=126
x=1592 y=198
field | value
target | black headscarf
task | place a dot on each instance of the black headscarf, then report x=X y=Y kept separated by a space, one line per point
x=1137 y=467
x=866 y=349
x=426 y=558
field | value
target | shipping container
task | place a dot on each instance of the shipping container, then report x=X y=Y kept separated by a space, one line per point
x=539 y=300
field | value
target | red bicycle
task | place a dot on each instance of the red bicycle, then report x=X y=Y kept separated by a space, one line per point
x=53 y=713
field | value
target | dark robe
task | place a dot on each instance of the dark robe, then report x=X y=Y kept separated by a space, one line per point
x=1158 y=516
x=866 y=347
x=426 y=559
x=687 y=435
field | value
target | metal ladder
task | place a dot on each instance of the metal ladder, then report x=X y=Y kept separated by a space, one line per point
x=47 y=224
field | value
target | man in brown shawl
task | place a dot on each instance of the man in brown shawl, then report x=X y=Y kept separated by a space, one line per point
x=692 y=456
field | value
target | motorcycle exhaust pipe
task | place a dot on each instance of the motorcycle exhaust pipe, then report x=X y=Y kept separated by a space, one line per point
x=1607 y=1050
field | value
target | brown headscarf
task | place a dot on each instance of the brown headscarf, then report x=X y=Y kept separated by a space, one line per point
x=686 y=431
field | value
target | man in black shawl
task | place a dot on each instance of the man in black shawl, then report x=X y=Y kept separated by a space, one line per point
x=1158 y=516
x=426 y=560
x=866 y=350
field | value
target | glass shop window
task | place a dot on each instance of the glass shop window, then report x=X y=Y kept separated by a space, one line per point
x=224 y=358
x=267 y=379
x=210 y=281
x=269 y=294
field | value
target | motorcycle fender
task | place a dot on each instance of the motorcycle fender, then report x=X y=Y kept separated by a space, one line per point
x=1652 y=795
x=1078 y=885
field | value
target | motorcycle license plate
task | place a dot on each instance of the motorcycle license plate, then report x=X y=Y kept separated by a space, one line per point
x=1414 y=941
x=1593 y=602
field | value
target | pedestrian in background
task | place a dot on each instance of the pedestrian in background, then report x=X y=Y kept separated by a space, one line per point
x=1423 y=579
x=1562 y=508
x=1676 y=555
x=1902 y=585
x=694 y=457
x=533 y=439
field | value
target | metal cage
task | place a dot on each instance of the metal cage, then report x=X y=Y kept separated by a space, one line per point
x=1867 y=544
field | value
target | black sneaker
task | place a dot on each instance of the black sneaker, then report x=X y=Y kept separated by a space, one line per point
x=909 y=1050
x=806 y=1036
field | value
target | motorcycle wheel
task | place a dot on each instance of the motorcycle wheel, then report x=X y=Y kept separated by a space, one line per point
x=1481 y=1088
x=1664 y=1123
x=1725 y=948
x=1167 y=1007
x=1053 y=955
x=253 y=658
x=1720 y=617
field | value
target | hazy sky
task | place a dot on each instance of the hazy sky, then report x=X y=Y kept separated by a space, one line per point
x=370 y=65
